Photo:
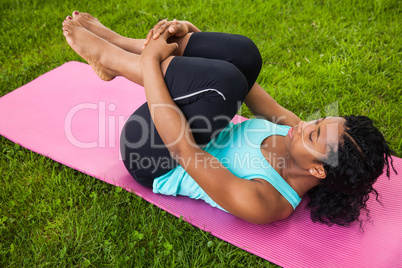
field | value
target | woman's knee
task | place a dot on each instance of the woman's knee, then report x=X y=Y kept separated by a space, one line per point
x=231 y=82
x=181 y=42
x=236 y=49
x=248 y=58
x=165 y=64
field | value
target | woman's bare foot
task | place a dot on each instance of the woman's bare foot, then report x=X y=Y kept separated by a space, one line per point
x=89 y=46
x=95 y=26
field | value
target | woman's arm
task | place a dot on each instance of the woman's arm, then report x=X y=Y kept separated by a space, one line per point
x=262 y=104
x=248 y=199
x=258 y=100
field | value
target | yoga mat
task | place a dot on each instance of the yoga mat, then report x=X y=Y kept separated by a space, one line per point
x=75 y=118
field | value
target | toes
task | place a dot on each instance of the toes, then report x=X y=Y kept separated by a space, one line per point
x=68 y=24
x=76 y=14
x=87 y=16
x=67 y=20
x=79 y=17
x=66 y=27
x=66 y=30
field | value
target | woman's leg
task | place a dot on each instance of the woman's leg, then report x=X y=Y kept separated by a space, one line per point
x=105 y=58
x=207 y=91
x=129 y=44
x=236 y=49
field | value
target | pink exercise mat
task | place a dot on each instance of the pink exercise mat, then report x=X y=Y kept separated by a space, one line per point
x=75 y=118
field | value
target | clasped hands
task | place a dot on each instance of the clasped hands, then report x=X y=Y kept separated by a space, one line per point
x=159 y=49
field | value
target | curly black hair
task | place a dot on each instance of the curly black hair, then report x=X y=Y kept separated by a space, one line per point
x=361 y=156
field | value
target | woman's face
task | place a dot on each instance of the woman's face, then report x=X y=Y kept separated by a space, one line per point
x=309 y=141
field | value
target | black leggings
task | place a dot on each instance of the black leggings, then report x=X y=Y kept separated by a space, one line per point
x=208 y=83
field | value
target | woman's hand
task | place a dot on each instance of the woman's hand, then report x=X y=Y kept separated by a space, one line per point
x=175 y=28
x=158 y=49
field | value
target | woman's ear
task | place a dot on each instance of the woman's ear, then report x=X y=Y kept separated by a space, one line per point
x=318 y=172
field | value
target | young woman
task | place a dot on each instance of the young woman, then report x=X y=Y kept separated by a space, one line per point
x=181 y=141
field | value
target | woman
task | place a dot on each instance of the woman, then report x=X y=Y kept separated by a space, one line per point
x=256 y=170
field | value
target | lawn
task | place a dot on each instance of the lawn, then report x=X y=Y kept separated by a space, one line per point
x=344 y=55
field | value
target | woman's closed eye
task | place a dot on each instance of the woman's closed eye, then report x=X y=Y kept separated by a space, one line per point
x=315 y=123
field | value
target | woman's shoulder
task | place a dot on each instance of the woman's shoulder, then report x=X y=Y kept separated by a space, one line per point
x=276 y=204
x=261 y=123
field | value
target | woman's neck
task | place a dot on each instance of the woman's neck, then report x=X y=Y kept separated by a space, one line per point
x=299 y=179
x=274 y=151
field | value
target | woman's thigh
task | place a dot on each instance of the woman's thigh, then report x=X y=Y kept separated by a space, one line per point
x=208 y=92
x=236 y=49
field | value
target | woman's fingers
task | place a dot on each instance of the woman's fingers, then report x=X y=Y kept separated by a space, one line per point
x=172 y=47
x=173 y=27
x=165 y=35
x=161 y=27
x=149 y=36
x=179 y=28
x=152 y=33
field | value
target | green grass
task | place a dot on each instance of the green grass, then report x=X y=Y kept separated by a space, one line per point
x=316 y=53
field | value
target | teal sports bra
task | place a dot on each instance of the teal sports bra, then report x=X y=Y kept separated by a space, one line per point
x=238 y=148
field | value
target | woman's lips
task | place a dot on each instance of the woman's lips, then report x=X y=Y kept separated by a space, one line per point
x=291 y=132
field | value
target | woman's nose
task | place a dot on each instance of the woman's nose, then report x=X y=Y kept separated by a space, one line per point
x=300 y=127
x=303 y=126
